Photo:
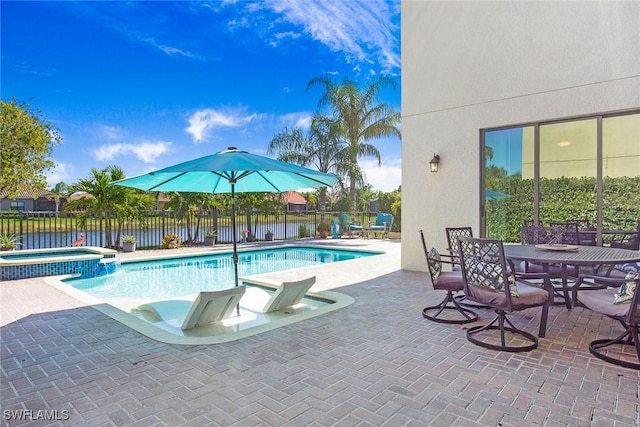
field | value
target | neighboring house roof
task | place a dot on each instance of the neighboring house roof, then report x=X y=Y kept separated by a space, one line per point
x=27 y=194
x=294 y=198
x=163 y=197
x=79 y=195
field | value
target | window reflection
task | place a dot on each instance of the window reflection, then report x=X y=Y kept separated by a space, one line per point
x=620 y=171
x=566 y=173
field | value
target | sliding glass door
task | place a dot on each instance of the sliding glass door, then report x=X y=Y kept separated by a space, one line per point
x=620 y=171
x=585 y=169
x=568 y=172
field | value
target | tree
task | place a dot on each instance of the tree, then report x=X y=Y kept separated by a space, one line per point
x=59 y=191
x=359 y=118
x=320 y=147
x=114 y=202
x=188 y=205
x=26 y=144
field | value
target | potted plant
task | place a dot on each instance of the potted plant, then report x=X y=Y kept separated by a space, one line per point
x=268 y=236
x=210 y=237
x=129 y=243
x=323 y=230
x=9 y=241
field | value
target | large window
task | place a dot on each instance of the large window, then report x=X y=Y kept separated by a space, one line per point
x=585 y=169
x=508 y=156
x=17 y=206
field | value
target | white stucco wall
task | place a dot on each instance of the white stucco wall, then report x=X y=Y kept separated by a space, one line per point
x=473 y=65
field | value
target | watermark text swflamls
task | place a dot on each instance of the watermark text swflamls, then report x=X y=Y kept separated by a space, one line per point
x=31 y=415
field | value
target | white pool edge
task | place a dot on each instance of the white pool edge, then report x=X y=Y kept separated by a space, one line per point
x=145 y=328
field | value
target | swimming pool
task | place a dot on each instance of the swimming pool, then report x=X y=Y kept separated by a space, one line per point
x=166 y=278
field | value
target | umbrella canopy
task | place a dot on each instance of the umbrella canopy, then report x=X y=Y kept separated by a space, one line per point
x=231 y=171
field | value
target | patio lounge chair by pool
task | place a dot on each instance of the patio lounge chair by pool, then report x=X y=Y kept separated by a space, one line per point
x=288 y=294
x=348 y=226
x=209 y=307
x=382 y=225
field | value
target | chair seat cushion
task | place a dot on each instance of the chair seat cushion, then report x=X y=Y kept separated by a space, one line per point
x=528 y=296
x=601 y=301
x=449 y=281
x=377 y=228
x=614 y=273
x=355 y=227
x=554 y=270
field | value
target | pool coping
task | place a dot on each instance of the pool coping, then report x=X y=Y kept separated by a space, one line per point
x=96 y=252
x=247 y=249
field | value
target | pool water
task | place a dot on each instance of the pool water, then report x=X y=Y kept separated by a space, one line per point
x=16 y=255
x=183 y=276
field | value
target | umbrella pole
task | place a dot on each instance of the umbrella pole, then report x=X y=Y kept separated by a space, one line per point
x=233 y=233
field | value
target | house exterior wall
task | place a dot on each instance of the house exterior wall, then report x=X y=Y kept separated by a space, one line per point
x=29 y=204
x=468 y=66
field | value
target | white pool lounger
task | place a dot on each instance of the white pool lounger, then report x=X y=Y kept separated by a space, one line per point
x=288 y=294
x=208 y=307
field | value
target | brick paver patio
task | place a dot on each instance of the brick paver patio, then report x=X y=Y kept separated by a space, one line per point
x=376 y=362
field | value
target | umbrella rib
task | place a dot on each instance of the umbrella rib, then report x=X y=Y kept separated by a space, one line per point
x=268 y=181
x=324 y=184
x=165 y=181
x=231 y=176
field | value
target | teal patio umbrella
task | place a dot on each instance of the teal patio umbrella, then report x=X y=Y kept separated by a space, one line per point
x=231 y=171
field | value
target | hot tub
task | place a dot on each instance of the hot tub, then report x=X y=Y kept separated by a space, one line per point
x=87 y=261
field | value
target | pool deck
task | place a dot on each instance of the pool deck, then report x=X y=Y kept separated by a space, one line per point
x=375 y=362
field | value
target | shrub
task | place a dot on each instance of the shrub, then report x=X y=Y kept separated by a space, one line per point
x=171 y=241
x=9 y=241
x=303 y=231
x=323 y=226
x=129 y=239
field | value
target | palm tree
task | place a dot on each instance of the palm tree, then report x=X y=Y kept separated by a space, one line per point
x=320 y=147
x=59 y=191
x=360 y=118
x=114 y=202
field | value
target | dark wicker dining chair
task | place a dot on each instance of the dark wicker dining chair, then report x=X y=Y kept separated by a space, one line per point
x=628 y=240
x=453 y=233
x=489 y=280
x=570 y=231
x=597 y=294
x=450 y=281
x=535 y=235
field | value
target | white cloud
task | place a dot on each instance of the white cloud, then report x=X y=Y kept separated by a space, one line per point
x=300 y=120
x=147 y=151
x=112 y=133
x=386 y=177
x=60 y=173
x=360 y=29
x=202 y=123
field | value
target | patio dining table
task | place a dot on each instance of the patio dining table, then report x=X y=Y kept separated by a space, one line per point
x=577 y=256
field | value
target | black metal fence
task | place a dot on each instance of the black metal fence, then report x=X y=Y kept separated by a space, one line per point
x=38 y=230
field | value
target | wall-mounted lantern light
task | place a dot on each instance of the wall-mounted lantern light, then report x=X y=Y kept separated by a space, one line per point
x=434 y=163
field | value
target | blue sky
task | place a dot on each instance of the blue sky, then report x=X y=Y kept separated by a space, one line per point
x=144 y=85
